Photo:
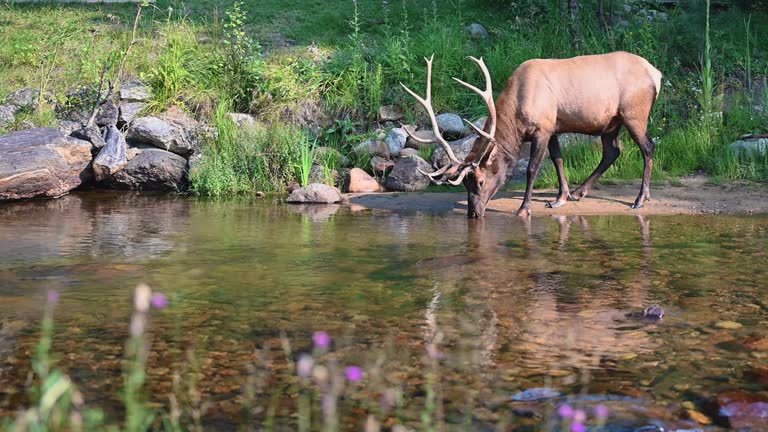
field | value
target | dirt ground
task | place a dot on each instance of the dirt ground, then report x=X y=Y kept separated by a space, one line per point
x=695 y=195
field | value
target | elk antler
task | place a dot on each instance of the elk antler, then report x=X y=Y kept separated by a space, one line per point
x=487 y=96
x=427 y=104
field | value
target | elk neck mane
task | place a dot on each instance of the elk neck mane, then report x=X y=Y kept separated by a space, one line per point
x=507 y=131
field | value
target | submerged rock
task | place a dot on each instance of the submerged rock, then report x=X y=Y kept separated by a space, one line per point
x=42 y=163
x=316 y=193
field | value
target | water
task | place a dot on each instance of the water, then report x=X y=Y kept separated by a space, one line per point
x=514 y=305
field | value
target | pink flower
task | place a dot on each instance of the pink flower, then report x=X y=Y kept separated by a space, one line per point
x=321 y=339
x=53 y=297
x=159 y=300
x=579 y=416
x=354 y=373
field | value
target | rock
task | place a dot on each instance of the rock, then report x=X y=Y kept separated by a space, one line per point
x=395 y=140
x=750 y=147
x=409 y=152
x=480 y=123
x=536 y=394
x=728 y=325
x=743 y=411
x=451 y=126
x=42 y=163
x=67 y=127
x=130 y=110
x=151 y=169
x=361 y=181
x=328 y=154
x=23 y=98
x=381 y=166
x=461 y=149
x=372 y=147
x=161 y=134
x=406 y=177
x=243 y=120
x=315 y=193
x=8 y=114
x=318 y=174
x=390 y=113
x=756 y=343
x=92 y=134
x=477 y=31
x=423 y=134
x=112 y=157
x=519 y=170
x=107 y=114
x=134 y=91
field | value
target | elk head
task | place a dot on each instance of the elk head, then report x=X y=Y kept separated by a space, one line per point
x=483 y=172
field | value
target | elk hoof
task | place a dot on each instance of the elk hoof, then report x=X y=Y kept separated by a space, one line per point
x=523 y=213
x=637 y=205
x=577 y=196
x=556 y=204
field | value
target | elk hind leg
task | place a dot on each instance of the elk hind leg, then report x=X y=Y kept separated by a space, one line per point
x=557 y=159
x=611 y=151
x=639 y=134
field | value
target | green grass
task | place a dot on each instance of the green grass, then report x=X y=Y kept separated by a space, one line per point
x=281 y=59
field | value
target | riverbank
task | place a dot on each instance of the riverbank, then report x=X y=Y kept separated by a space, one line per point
x=691 y=195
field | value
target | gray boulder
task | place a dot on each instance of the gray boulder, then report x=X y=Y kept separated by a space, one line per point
x=130 y=110
x=372 y=147
x=406 y=177
x=8 y=114
x=112 y=157
x=134 y=91
x=390 y=113
x=42 y=163
x=395 y=140
x=409 y=152
x=451 y=126
x=67 y=127
x=243 y=120
x=754 y=147
x=107 y=114
x=161 y=134
x=92 y=134
x=477 y=31
x=23 y=98
x=479 y=123
x=422 y=134
x=461 y=149
x=151 y=169
x=315 y=193
x=381 y=166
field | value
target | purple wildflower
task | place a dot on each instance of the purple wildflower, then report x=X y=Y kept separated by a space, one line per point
x=53 y=297
x=601 y=411
x=321 y=339
x=159 y=300
x=578 y=427
x=354 y=373
x=565 y=411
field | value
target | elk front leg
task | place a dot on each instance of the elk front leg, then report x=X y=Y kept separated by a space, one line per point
x=537 y=155
x=563 y=192
x=611 y=151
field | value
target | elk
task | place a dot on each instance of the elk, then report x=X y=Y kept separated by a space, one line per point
x=592 y=95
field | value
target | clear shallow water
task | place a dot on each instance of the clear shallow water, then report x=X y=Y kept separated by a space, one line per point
x=518 y=304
